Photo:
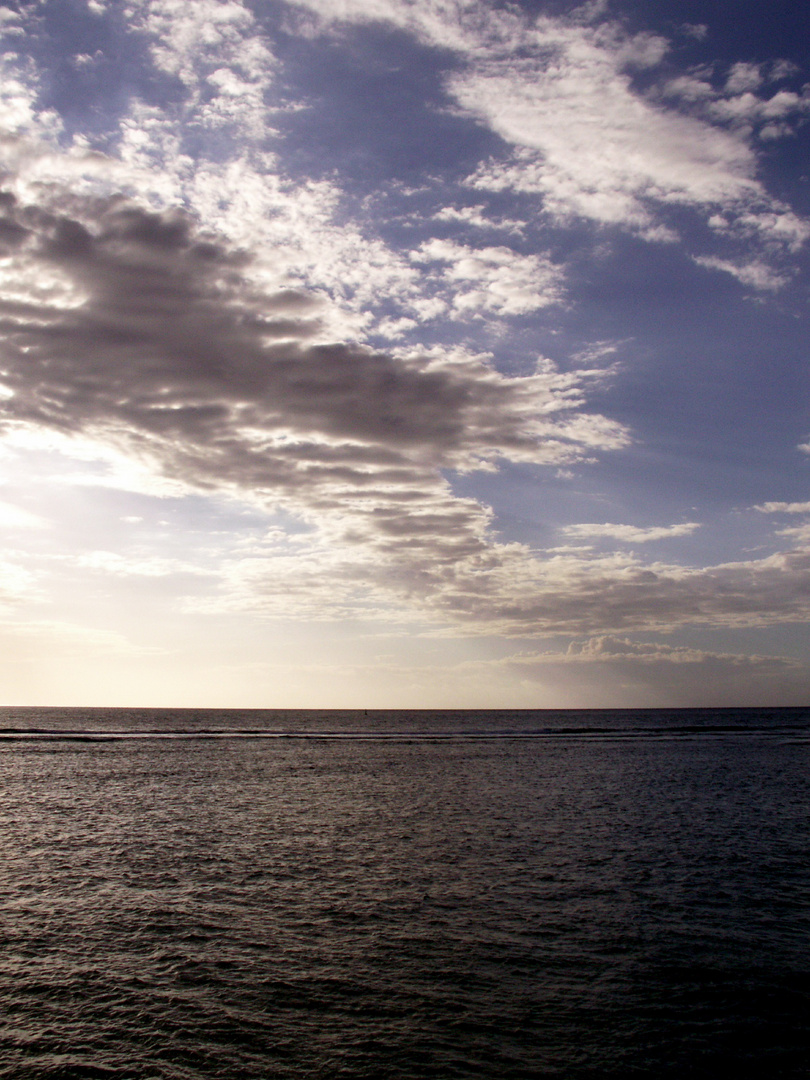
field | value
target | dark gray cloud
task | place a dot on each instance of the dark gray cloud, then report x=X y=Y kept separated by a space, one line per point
x=140 y=330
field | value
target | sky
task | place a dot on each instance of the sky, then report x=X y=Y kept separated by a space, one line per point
x=404 y=353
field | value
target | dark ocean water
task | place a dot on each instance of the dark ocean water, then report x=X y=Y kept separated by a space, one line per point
x=608 y=894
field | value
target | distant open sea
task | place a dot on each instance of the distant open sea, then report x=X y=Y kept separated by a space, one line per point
x=290 y=894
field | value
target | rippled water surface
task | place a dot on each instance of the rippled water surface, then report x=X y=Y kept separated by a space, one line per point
x=404 y=895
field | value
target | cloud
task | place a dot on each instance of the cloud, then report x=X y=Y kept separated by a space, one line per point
x=174 y=358
x=607 y=649
x=461 y=28
x=589 y=143
x=227 y=70
x=520 y=594
x=476 y=217
x=157 y=325
x=228 y=357
x=749 y=108
x=799 y=533
x=631 y=534
x=611 y=670
x=561 y=93
x=206 y=149
x=743 y=76
x=593 y=673
x=444 y=571
x=756 y=275
x=698 y=31
x=159 y=344
x=493 y=279
x=211 y=46
x=784 y=508
x=156 y=342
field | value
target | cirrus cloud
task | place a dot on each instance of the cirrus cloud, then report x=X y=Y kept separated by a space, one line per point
x=560 y=92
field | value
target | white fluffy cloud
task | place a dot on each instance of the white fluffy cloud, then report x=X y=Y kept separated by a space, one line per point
x=493 y=279
x=212 y=47
x=590 y=145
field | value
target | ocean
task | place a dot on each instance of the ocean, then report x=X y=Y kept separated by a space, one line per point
x=189 y=894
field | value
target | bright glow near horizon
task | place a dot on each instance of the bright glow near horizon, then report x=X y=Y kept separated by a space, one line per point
x=393 y=354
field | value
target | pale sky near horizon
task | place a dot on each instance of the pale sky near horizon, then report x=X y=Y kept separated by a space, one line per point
x=378 y=353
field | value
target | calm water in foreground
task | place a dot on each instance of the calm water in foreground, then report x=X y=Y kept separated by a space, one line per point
x=405 y=895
